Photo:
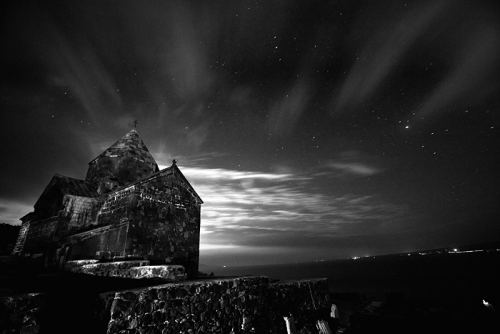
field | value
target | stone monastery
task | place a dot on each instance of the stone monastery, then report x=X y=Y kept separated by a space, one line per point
x=127 y=238
x=126 y=208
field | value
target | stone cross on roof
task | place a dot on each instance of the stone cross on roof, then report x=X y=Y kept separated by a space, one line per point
x=135 y=124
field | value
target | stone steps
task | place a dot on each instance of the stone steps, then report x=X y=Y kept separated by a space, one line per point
x=23 y=233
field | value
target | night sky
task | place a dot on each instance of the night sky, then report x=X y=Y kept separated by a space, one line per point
x=311 y=129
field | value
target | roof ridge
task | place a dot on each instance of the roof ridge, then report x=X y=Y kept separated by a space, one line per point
x=126 y=137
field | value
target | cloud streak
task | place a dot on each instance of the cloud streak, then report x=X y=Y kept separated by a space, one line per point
x=244 y=208
x=351 y=163
x=475 y=61
x=354 y=168
x=80 y=70
x=11 y=211
x=285 y=114
x=384 y=52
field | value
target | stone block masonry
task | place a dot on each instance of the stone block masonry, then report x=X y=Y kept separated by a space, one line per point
x=240 y=305
x=79 y=213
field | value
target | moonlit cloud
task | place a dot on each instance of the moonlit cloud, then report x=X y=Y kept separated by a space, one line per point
x=243 y=207
x=81 y=72
x=226 y=174
x=186 y=58
x=462 y=33
x=351 y=163
x=198 y=135
x=11 y=211
x=384 y=52
x=354 y=168
x=475 y=61
x=208 y=247
x=287 y=111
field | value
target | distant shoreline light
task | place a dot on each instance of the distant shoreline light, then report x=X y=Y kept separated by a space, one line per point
x=454 y=251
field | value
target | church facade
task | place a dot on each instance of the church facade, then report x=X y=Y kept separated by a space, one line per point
x=125 y=208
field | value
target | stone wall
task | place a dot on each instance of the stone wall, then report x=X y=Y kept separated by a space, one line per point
x=241 y=305
x=100 y=243
x=79 y=214
x=116 y=207
x=40 y=235
x=165 y=222
x=79 y=303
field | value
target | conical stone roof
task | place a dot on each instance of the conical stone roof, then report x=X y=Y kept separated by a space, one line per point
x=126 y=161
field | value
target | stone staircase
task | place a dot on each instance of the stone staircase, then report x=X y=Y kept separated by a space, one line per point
x=23 y=233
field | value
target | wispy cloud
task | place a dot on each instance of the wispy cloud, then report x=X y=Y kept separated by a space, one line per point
x=351 y=163
x=227 y=174
x=82 y=73
x=198 y=134
x=11 y=211
x=475 y=62
x=354 y=168
x=288 y=110
x=462 y=34
x=245 y=208
x=384 y=52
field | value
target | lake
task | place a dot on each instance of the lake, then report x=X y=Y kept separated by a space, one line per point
x=445 y=278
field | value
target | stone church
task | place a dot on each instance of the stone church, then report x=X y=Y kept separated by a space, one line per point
x=126 y=208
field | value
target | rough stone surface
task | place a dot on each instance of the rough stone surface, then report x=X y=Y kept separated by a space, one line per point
x=20 y=313
x=111 y=269
x=241 y=305
x=78 y=263
x=137 y=269
x=164 y=272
